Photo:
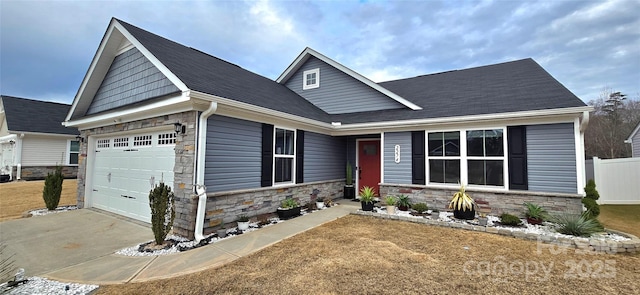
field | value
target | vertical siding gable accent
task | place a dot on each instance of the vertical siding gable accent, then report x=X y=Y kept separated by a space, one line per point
x=266 y=178
x=233 y=153
x=401 y=173
x=339 y=93
x=299 y=156
x=551 y=158
x=517 y=153
x=418 y=172
x=131 y=78
x=324 y=157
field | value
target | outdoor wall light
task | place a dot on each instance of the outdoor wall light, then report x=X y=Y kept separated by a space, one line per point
x=80 y=138
x=179 y=128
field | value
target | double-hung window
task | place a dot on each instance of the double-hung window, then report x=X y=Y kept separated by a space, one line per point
x=485 y=157
x=73 y=152
x=444 y=157
x=284 y=155
x=469 y=157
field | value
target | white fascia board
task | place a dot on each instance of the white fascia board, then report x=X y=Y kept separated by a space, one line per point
x=363 y=128
x=163 y=69
x=251 y=112
x=635 y=131
x=47 y=134
x=168 y=106
x=308 y=51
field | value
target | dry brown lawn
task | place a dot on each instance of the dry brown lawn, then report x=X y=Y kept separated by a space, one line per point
x=624 y=218
x=365 y=255
x=21 y=196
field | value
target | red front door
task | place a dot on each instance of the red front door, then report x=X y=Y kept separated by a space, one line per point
x=369 y=164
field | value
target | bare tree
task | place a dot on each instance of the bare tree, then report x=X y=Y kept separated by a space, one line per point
x=612 y=120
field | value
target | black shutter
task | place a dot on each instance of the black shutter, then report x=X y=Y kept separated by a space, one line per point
x=267 y=155
x=517 y=137
x=299 y=156
x=417 y=158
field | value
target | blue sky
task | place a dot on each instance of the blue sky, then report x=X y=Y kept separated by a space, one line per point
x=46 y=46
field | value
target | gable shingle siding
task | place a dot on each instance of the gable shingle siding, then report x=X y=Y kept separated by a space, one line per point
x=339 y=93
x=635 y=145
x=131 y=78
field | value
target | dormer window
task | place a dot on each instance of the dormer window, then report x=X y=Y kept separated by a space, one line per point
x=311 y=79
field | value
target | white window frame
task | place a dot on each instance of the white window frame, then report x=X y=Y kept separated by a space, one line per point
x=293 y=157
x=304 y=79
x=464 y=171
x=69 y=152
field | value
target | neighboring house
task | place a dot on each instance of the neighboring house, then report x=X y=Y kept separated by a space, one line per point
x=152 y=110
x=634 y=140
x=32 y=140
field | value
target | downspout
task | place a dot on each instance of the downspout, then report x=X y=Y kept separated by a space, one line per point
x=18 y=155
x=584 y=122
x=200 y=188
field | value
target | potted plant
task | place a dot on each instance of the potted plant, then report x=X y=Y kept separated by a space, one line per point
x=482 y=219
x=462 y=205
x=288 y=208
x=222 y=231
x=320 y=203
x=243 y=222
x=349 y=189
x=435 y=214
x=390 y=201
x=535 y=214
x=367 y=196
x=403 y=203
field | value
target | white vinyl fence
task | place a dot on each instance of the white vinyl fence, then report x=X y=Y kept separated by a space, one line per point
x=617 y=180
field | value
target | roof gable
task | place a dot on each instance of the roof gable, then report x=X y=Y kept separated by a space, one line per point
x=307 y=53
x=633 y=134
x=28 y=115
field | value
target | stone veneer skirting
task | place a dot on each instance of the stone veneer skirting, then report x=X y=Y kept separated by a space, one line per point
x=40 y=172
x=555 y=244
x=499 y=201
x=227 y=206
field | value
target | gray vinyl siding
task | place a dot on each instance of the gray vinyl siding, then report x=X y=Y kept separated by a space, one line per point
x=551 y=158
x=131 y=78
x=397 y=172
x=233 y=158
x=324 y=157
x=635 y=145
x=339 y=93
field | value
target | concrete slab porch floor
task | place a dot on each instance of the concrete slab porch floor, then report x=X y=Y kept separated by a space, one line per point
x=79 y=246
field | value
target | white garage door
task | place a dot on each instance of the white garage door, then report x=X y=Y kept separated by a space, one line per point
x=126 y=168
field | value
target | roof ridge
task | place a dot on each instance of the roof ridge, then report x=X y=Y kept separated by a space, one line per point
x=460 y=70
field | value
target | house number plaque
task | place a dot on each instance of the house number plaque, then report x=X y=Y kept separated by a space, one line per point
x=397 y=154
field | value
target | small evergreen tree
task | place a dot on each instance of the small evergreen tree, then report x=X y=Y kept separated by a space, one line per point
x=53 y=188
x=590 y=190
x=161 y=201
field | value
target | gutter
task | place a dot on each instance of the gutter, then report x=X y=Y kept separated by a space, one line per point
x=199 y=187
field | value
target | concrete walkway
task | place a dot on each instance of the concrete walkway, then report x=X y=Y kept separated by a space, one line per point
x=117 y=269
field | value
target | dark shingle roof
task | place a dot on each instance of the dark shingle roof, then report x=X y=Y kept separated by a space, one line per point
x=205 y=73
x=29 y=115
x=521 y=85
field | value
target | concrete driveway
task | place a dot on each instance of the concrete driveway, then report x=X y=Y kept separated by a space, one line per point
x=43 y=244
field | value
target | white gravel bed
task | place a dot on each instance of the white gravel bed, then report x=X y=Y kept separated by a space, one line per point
x=45 y=211
x=546 y=229
x=38 y=285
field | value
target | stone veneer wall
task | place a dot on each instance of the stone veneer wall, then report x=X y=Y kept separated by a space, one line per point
x=499 y=201
x=40 y=172
x=186 y=201
x=227 y=206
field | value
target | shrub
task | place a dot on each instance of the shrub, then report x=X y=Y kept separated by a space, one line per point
x=593 y=209
x=536 y=212
x=508 y=219
x=590 y=190
x=403 y=201
x=367 y=194
x=161 y=201
x=577 y=225
x=243 y=218
x=420 y=207
x=53 y=188
x=289 y=203
x=390 y=201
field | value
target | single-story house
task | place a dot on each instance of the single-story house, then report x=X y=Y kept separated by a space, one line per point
x=32 y=140
x=634 y=141
x=150 y=109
